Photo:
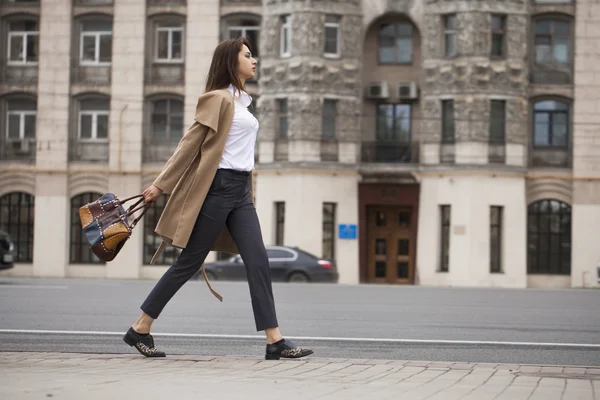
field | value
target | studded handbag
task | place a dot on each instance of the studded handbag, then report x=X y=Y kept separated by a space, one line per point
x=105 y=223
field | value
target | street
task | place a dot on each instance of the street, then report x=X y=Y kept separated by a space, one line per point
x=550 y=327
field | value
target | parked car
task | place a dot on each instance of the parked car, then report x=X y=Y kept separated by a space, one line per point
x=7 y=248
x=288 y=264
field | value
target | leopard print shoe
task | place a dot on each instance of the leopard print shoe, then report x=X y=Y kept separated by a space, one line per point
x=143 y=344
x=285 y=349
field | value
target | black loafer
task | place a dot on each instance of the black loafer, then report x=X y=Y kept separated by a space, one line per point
x=143 y=344
x=285 y=349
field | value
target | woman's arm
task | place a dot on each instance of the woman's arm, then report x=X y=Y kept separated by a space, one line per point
x=210 y=107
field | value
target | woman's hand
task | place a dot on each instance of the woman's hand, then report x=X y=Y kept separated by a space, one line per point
x=151 y=193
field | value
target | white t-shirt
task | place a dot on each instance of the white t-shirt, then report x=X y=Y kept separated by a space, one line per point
x=239 y=148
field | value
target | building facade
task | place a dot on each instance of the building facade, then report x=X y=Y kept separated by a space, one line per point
x=429 y=142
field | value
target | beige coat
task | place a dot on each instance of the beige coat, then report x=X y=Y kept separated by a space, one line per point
x=188 y=174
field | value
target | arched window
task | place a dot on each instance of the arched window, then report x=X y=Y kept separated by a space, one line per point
x=23 y=41
x=80 y=251
x=153 y=241
x=16 y=219
x=552 y=40
x=396 y=43
x=551 y=124
x=549 y=238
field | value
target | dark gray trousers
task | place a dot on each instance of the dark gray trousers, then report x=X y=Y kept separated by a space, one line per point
x=228 y=203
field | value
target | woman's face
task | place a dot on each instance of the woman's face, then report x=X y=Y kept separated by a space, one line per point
x=246 y=64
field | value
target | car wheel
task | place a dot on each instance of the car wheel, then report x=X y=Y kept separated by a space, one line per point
x=298 y=277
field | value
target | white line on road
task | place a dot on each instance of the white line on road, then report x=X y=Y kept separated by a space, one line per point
x=32 y=287
x=314 y=338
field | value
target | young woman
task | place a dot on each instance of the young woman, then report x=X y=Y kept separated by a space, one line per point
x=209 y=182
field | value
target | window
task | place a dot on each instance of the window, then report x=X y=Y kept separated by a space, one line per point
x=20 y=119
x=16 y=218
x=552 y=41
x=280 y=255
x=332 y=36
x=93 y=119
x=329 y=116
x=393 y=123
x=445 y=211
x=169 y=42
x=448 y=126
x=329 y=231
x=496 y=222
x=450 y=35
x=549 y=238
x=23 y=42
x=551 y=124
x=167 y=120
x=279 y=222
x=396 y=43
x=247 y=27
x=153 y=241
x=96 y=43
x=285 y=36
x=498 y=34
x=497 y=121
x=282 y=105
x=80 y=251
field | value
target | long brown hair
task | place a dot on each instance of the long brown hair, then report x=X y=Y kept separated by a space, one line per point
x=224 y=65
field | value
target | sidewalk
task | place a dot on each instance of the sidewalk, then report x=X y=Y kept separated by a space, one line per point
x=132 y=377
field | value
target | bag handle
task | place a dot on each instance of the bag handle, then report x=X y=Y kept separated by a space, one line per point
x=135 y=221
x=136 y=207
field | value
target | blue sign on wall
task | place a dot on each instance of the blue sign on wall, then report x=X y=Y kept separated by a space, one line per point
x=347 y=231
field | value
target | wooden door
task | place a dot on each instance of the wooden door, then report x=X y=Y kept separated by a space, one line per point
x=390 y=249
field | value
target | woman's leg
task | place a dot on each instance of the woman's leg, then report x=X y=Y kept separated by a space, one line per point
x=244 y=226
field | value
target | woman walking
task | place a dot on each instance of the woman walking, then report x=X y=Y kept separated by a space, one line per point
x=210 y=207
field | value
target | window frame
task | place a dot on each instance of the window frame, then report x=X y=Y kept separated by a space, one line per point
x=27 y=201
x=283 y=116
x=553 y=18
x=394 y=106
x=500 y=139
x=22 y=114
x=500 y=31
x=550 y=132
x=450 y=32
x=96 y=62
x=337 y=26
x=158 y=28
x=94 y=134
x=445 y=237
x=24 y=35
x=541 y=267
x=169 y=138
x=496 y=259
x=328 y=245
x=446 y=139
x=286 y=24
x=332 y=116
x=279 y=239
x=396 y=37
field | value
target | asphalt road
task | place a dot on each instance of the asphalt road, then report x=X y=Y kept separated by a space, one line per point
x=555 y=327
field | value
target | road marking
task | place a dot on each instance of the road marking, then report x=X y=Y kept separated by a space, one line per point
x=314 y=338
x=17 y=286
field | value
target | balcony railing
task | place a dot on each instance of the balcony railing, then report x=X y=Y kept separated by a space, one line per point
x=22 y=150
x=390 y=152
x=167 y=3
x=165 y=74
x=88 y=151
x=20 y=3
x=92 y=3
x=158 y=150
x=550 y=157
x=23 y=74
x=93 y=75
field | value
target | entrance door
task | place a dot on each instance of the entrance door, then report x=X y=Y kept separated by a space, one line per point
x=390 y=255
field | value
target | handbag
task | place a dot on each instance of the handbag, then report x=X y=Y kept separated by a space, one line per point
x=105 y=223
